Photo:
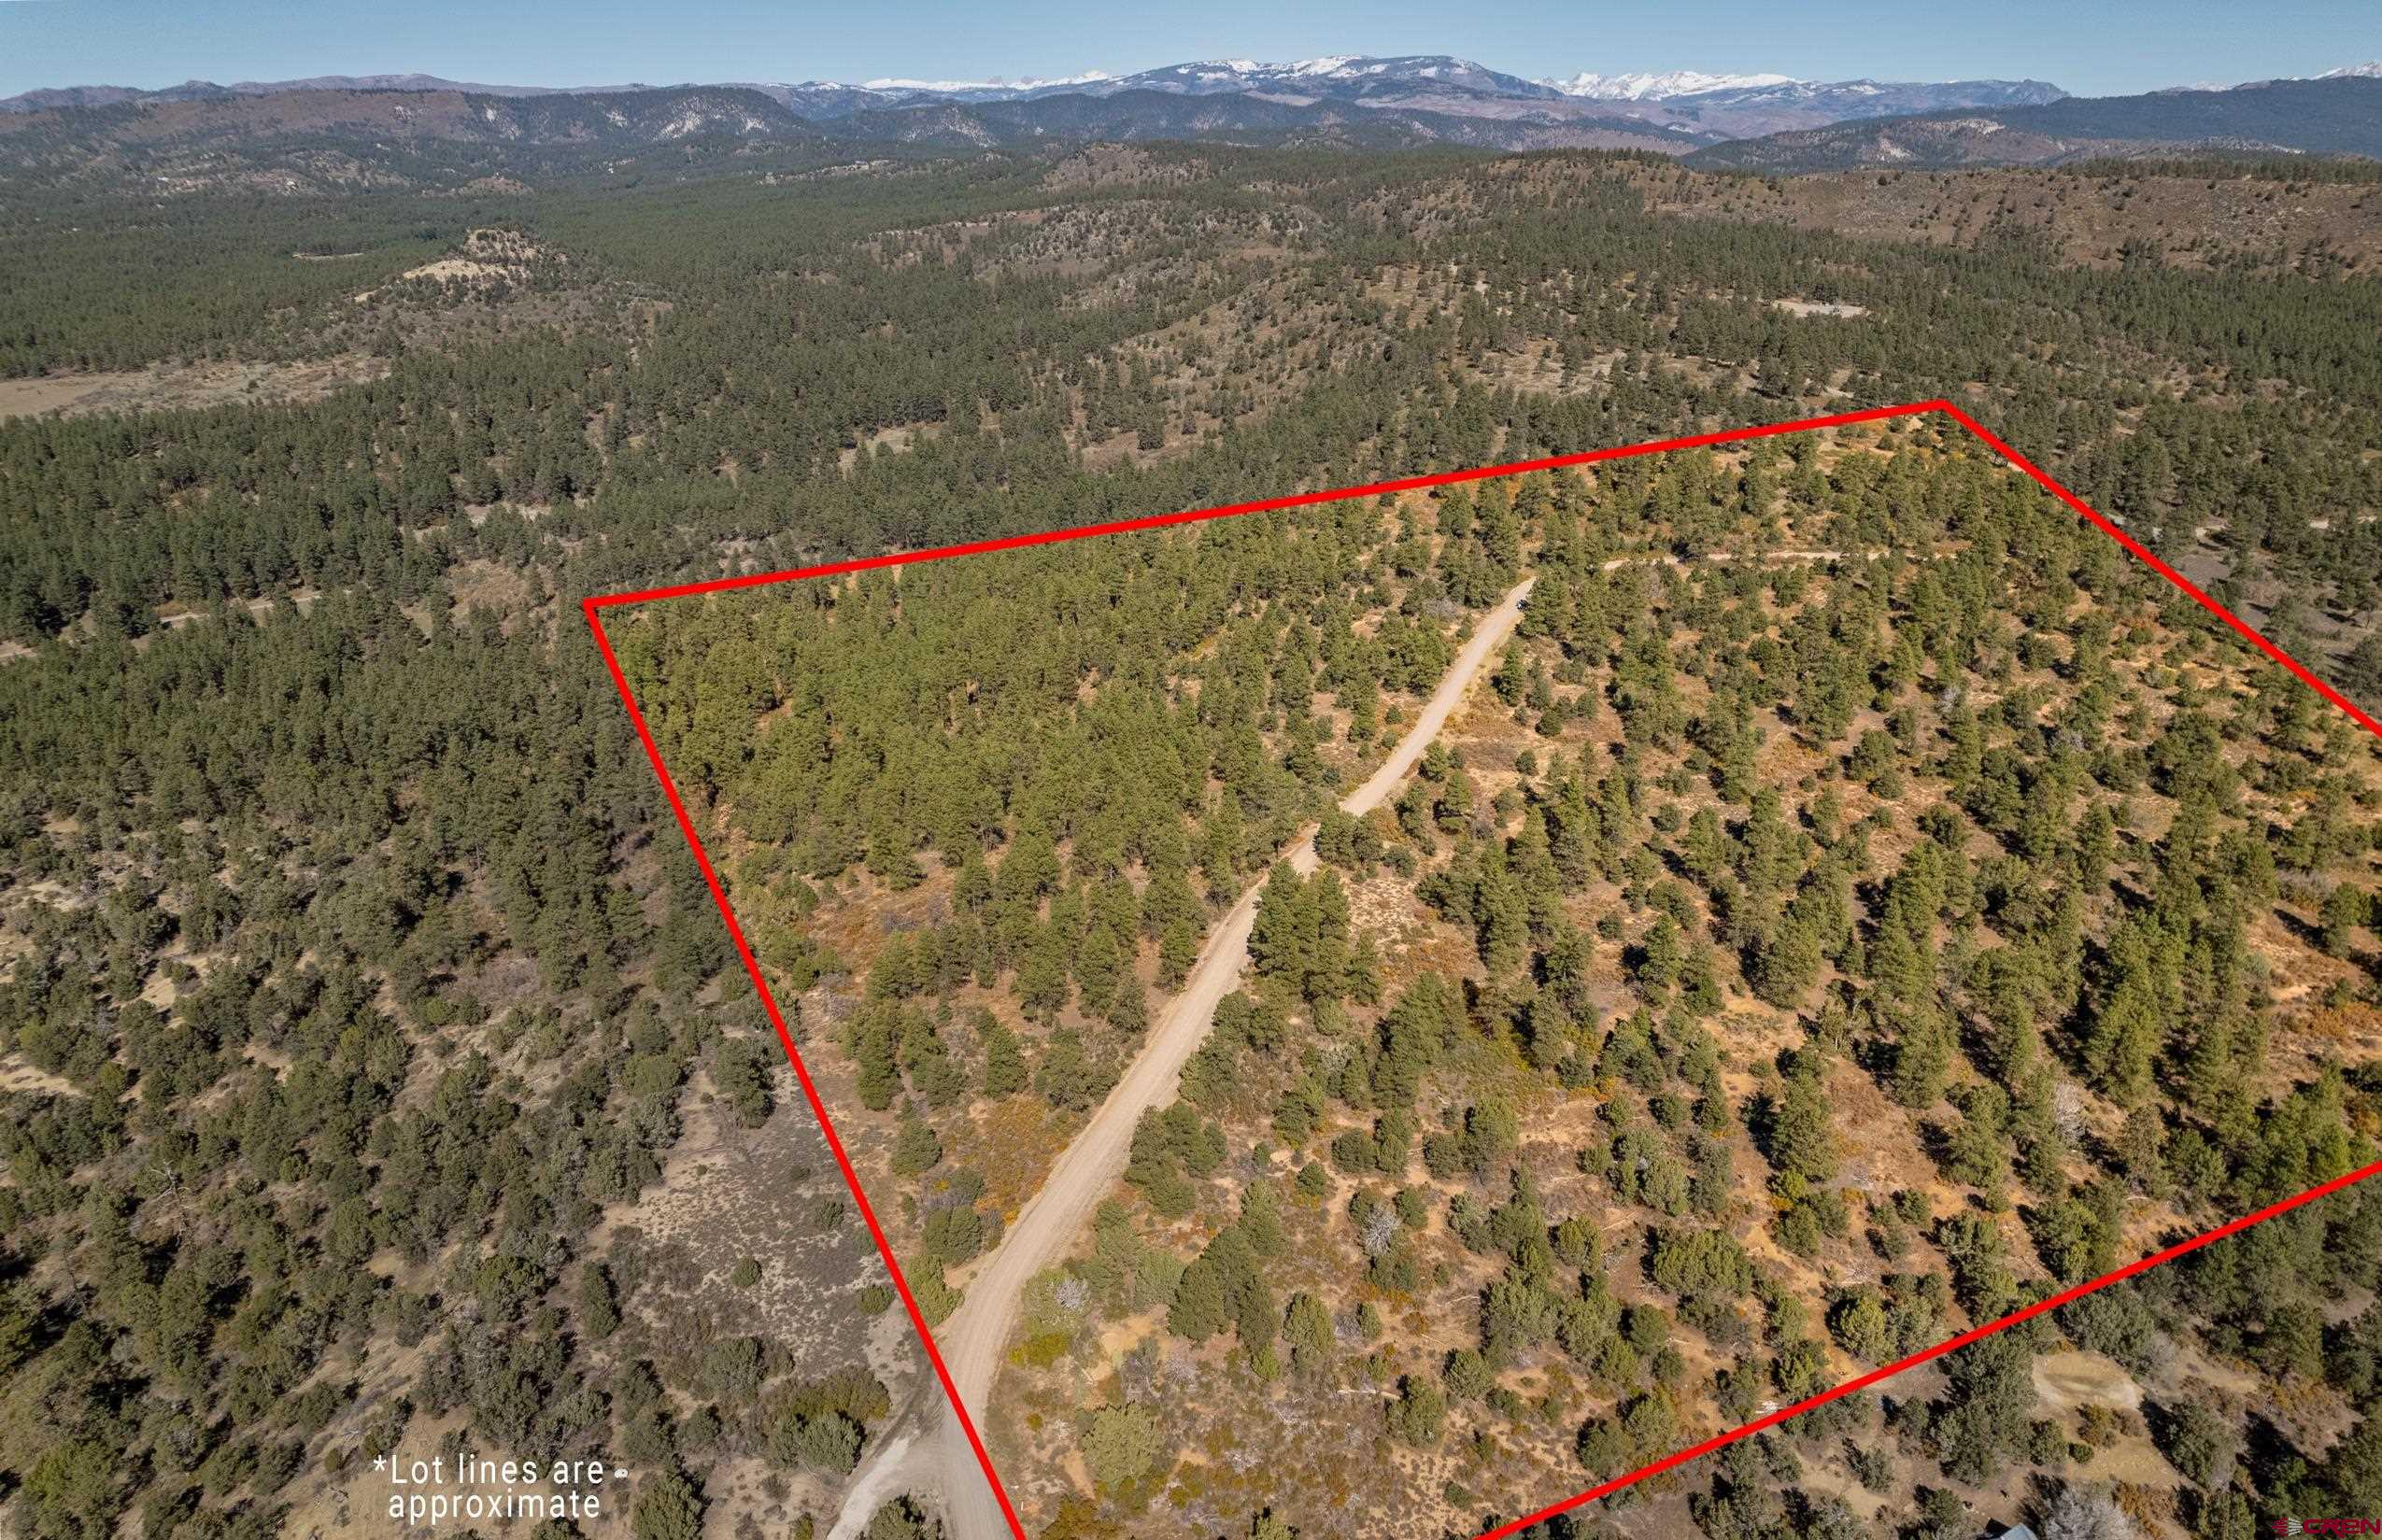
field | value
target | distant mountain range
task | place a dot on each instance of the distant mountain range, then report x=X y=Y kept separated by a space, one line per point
x=1693 y=107
x=2370 y=70
x=1746 y=111
x=207 y=90
x=2339 y=114
x=1246 y=118
x=1696 y=107
x=417 y=130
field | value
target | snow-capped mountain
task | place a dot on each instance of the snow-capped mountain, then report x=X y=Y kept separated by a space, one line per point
x=1684 y=100
x=1358 y=98
x=1642 y=87
x=989 y=90
x=1339 y=77
x=1777 y=104
x=823 y=98
x=1335 y=75
x=2339 y=115
x=2370 y=70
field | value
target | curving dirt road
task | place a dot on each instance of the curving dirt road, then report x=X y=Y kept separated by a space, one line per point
x=926 y=1449
x=937 y=1454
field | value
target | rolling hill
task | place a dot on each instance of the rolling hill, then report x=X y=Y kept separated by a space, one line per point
x=417 y=131
x=2336 y=116
x=313 y=141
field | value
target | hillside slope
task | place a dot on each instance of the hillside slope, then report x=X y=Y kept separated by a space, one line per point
x=321 y=140
x=2334 y=116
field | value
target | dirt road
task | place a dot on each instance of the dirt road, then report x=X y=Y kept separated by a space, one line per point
x=973 y=1339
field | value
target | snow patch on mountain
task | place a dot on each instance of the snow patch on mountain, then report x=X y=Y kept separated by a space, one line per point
x=1090 y=78
x=2370 y=70
x=1331 y=66
x=1648 y=87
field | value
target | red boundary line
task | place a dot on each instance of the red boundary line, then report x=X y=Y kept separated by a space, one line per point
x=591 y=606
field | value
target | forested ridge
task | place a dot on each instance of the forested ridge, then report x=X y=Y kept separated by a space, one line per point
x=356 y=999
x=2250 y=388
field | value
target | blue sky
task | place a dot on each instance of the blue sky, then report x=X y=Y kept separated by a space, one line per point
x=2098 y=46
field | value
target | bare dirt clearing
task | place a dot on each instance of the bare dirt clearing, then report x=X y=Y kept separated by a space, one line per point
x=187 y=385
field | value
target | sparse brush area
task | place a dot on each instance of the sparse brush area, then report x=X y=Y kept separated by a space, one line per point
x=374 y=1067
x=2319 y=219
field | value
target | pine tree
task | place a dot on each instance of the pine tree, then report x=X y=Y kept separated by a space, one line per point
x=1788 y=960
x=1923 y=1057
x=1802 y=1140
x=1099 y=968
x=1282 y=938
x=1307 y=1326
x=915 y=1148
x=668 y=1508
x=2346 y=908
x=1004 y=1061
x=1512 y=675
x=1861 y=1327
x=1178 y=949
x=1042 y=984
x=1200 y=1308
x=2124 y=1033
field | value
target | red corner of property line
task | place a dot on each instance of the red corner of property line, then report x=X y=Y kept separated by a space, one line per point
x=802 y=1071
x=591 y=606
x=1925 y=1355
x=1267 y=505
x=2043 y=479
